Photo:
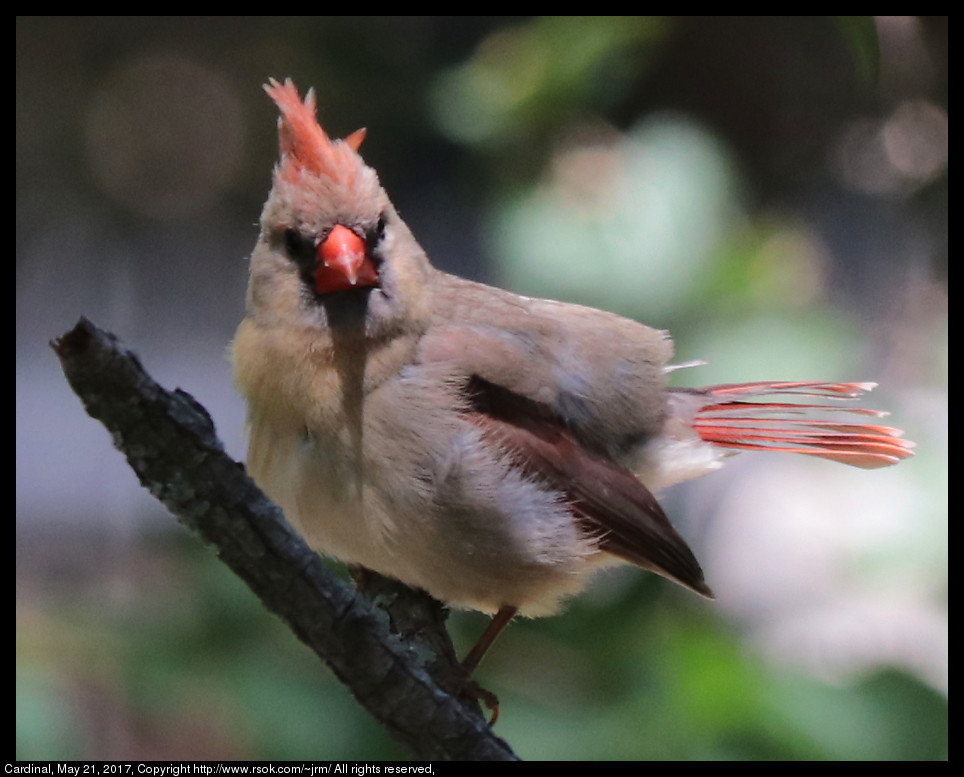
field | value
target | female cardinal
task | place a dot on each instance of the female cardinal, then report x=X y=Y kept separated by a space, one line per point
x=491 y=449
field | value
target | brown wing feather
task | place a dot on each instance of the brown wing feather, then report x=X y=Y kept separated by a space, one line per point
x=605 y=497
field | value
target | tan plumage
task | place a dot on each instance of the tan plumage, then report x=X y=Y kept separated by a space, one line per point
x=491 y=449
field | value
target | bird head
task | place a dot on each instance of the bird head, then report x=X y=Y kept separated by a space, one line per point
x=332 y=248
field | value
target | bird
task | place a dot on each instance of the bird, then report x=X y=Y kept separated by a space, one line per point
x=491 y=449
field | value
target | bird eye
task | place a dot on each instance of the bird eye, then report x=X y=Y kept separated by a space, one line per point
x=301 y=252
x=294 y=244
x=375 y=236
x=298 y=248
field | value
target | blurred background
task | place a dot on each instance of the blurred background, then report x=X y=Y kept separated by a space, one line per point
x=772 y=190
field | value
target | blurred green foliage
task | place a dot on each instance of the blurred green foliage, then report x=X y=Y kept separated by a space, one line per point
x=198 y=669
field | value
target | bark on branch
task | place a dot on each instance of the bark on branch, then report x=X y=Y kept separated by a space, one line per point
x=396 y=658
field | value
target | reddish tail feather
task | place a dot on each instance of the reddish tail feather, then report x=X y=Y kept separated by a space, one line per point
x=798 y=427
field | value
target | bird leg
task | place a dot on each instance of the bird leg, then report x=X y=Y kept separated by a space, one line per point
x=499 y=621
x=370 y=584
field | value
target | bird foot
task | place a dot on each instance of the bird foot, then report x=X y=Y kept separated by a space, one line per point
x=472 y=690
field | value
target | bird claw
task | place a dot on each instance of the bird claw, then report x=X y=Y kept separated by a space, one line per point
x=475 y=692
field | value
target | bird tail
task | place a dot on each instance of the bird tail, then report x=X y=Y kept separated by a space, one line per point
x=739 y=416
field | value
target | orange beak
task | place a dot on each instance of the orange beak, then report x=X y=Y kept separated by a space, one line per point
x=343 y=262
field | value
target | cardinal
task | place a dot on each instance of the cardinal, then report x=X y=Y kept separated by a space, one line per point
x=491 y=449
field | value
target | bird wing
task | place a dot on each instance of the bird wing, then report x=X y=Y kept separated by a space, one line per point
x=606 y=499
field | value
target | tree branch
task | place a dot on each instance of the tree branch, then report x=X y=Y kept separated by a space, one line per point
x=408 y=678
